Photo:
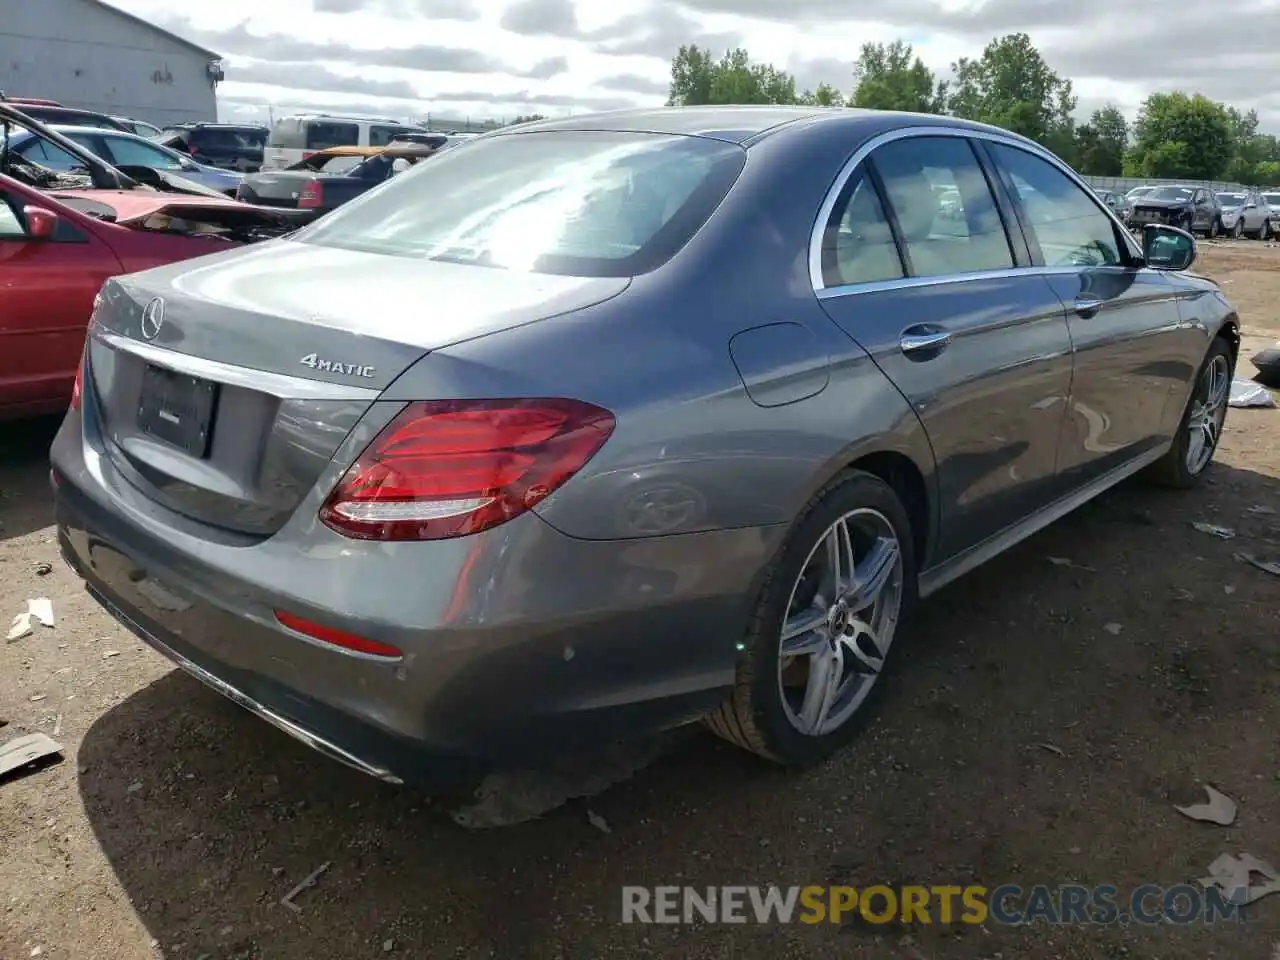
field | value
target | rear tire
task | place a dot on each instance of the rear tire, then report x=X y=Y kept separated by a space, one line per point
x=1200 y=428
x=796 y=701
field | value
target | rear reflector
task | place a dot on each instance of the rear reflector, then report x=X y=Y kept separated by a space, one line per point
x=450 y=468
x=337 y=638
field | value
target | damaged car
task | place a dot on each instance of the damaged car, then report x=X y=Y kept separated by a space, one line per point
x=63 y=234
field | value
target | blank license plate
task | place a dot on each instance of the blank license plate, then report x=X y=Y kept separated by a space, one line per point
x=177 y=409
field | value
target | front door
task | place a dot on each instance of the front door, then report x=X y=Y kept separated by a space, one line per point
x=1130 y=345
x=920 y=271
x=46 y=294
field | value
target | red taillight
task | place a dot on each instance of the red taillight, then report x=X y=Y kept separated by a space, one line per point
x=77 y=387
x=449 y=468
x=312 y=195
x=335 y=637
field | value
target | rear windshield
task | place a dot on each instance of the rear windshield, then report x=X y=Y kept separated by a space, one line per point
x=591 y=204
x=234 y=138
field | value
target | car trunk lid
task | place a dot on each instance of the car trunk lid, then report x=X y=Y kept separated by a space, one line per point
x=225 y=385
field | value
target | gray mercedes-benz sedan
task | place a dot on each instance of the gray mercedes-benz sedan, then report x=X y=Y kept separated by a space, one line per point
x=603 y=425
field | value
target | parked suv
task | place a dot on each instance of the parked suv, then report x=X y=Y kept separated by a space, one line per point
x=295 y=138
x=1245 y=212
x=1194 y=209
x=232 y=146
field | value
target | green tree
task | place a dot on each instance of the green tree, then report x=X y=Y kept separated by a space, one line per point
x=697 y=78
x=527 y=118
x=892 y=77
x=1011 y=86
x=1101 y=143
x=1181 y=136
x=824 y=96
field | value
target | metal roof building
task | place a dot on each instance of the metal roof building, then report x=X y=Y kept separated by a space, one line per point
x=89 y=54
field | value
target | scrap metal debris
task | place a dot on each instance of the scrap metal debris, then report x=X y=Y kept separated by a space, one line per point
x=1213 y=530
x=43 y=569
x=1113 y=628
x=1068 y=562
x=1267 y=566
x=1246 y=393
x=1057 y=751
x=1234 y=876
x=597 y=821
x=1220 y=809
x=23 y=751
x=40 y=610
x=309 y=881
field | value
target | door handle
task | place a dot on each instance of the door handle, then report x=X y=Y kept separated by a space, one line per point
x=924 y=339
x=1087 y=307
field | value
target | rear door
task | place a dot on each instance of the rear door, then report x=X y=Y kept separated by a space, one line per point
x=939 y=294
x=1130 y=348
x=46 y=294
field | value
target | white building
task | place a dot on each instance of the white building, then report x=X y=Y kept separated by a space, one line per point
x=88 y=54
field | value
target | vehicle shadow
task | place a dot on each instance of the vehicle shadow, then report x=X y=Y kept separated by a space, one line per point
x=1043 y=721
x=26 y=504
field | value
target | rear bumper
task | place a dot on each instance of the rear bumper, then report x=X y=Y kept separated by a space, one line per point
x=521 y=643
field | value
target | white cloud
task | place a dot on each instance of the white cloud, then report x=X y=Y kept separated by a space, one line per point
x=414 y=57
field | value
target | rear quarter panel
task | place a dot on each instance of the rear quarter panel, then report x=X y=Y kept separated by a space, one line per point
x=692 y=451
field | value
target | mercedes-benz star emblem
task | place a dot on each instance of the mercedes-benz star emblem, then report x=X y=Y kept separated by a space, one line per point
x=152 y=319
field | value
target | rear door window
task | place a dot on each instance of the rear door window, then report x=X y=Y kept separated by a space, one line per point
x=322 y=134
x=858 y=245
x=381 y=135
x=125 y=151
x=943 y=207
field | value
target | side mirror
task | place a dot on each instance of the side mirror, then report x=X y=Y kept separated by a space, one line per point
x=1167 y=248
x=41 y=223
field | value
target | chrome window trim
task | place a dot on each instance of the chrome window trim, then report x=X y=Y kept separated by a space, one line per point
x=889 y=136
x=904 y=283
x=277 y=385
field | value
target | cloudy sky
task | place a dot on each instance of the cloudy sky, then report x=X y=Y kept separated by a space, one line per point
x=501 y=58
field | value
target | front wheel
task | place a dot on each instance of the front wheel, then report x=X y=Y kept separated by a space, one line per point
x=1264 y=231
x=1238 y=230
x=824 y=625
x=1215 y=228
x=1198 y=434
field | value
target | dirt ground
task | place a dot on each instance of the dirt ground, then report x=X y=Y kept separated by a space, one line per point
x=1047 y=722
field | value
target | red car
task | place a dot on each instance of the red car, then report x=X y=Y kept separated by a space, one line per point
x=57 y=248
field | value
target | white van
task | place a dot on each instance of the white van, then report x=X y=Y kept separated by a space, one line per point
x=295 y=138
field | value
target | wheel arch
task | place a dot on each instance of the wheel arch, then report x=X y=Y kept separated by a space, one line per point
x=910 y=472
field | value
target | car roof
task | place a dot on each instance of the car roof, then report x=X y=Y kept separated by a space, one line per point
x=746 y=122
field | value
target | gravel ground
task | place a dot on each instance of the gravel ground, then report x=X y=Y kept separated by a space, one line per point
x=176 y=822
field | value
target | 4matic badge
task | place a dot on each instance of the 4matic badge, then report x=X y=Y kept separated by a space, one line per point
x=336 y=366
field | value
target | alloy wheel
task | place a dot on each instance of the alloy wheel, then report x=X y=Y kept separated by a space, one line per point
x=1208 y=412
x=1238 y=231
x=840 y=622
